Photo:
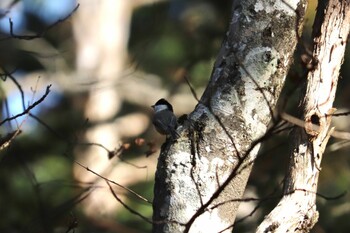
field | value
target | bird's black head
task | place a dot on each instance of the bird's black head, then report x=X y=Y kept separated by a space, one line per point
x=164 y=102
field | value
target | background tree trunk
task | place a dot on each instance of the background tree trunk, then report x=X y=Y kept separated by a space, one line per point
x=297 y=209
x=201 y=177
x=101 y=34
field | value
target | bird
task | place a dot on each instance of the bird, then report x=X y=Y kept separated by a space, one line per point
x=164 y=119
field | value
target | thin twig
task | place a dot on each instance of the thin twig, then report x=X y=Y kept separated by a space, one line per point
x=30 y=107
x=125 y=205
x=113 y=182
x=191 y=88
x=40 y=34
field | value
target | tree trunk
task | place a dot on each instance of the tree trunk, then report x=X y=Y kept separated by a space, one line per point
x=201 y=176
x=296 y=212
x=101 y=32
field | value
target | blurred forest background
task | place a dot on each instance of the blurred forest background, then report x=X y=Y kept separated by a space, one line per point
x=108 y=62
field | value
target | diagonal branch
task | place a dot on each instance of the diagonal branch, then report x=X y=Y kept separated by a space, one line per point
x=30 y=107
x=41 y=34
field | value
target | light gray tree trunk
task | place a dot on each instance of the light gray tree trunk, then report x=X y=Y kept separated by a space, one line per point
x=201 y=174
x=296 y=212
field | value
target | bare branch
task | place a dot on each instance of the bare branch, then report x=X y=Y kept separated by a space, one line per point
x=125 y=205
x=113 y=182
x=6 y=140
x=9 y=75
x=41 y=34
x=301 y=123
x=30 y=107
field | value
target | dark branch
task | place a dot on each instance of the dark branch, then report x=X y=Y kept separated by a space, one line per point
x=113 y=182
x=126 y=206
x=30 y=107
x=40 y=34
x=9 y=75
x=191 y=88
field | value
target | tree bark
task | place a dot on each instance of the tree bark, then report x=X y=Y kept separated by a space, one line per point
x=296 y=212
x=202 y=176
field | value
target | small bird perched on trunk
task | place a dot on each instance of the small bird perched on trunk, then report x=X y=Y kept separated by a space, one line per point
x=164 y=119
